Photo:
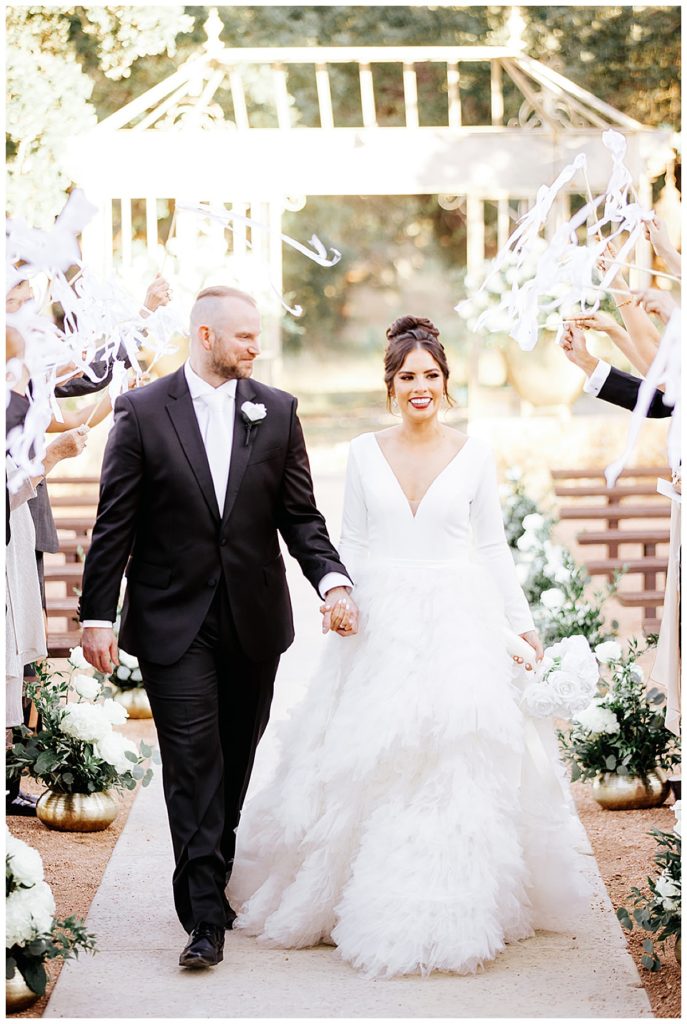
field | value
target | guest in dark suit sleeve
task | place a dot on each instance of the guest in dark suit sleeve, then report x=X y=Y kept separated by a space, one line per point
x=605 y=381
x=622 y=389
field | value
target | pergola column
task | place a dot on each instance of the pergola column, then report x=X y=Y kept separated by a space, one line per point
x=475 y=262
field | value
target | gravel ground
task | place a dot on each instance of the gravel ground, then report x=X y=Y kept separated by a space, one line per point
x=74 y=865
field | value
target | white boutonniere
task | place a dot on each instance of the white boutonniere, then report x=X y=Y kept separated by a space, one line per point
x=252 y=414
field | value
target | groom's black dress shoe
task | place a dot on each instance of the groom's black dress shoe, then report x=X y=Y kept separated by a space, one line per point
x=205 y=946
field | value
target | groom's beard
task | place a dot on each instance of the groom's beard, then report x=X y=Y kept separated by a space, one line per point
x=231 y=369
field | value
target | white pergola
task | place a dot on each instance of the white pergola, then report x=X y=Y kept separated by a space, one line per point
x=176 y=142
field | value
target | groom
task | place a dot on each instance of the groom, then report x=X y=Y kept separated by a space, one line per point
x=202 y=470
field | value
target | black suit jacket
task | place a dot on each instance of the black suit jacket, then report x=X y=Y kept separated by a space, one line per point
x=158 y=510
x=622 y=389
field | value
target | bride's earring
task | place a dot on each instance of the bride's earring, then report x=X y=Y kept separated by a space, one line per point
x=394 y=405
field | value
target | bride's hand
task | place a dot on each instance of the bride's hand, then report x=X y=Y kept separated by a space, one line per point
x=340 y=613
x=532 y=638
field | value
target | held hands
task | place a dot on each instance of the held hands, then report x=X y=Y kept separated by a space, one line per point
x=100 y=648
x=339 y=612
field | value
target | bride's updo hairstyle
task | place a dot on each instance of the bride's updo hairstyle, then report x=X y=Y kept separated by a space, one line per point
x=406 y=334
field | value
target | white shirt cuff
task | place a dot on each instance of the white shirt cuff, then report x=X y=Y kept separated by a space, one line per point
x=99 y=623
x=331 y=580
x=597 y=378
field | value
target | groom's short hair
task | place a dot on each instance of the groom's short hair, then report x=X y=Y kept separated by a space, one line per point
x=222 y=291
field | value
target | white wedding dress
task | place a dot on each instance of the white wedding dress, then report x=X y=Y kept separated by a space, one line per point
x=408 y=821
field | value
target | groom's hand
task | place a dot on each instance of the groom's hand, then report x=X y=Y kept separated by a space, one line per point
x=339 y=612
x=100 y=649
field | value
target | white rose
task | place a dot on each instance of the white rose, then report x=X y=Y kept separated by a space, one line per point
x=538 y=700
x=553 y=599
x=128 y=659
x=533 y=521
x=24 y=862
x=254 y=411
x=86 y=722
x=28 y=913
x=561 y=574
x=77 y=660
x=577 y=658
x=136 y=676
x=610 y=650
x=637 y=673
x=597 y=719
x=527 y=542
x=514 y=474
x=86 y=687
x=112 y=749
x=114 y=712
x=122 y=673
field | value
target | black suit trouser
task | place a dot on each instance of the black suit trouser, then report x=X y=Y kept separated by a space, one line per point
x=210 y=708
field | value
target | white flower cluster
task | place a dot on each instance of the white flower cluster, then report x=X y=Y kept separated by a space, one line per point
x=128 y=669
x=92 y=723
x=669 y=890
x=29 y=906
x=598 y=719
x=608 y=651
x=568 y=677
x=534 y=543
x=677 y=811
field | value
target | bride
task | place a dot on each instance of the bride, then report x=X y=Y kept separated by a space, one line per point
x=407 y=822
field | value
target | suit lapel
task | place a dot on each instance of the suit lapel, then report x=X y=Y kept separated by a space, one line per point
x=182 y=414
x=240 y=451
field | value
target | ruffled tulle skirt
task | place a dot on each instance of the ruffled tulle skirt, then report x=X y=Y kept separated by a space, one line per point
x=415 y=819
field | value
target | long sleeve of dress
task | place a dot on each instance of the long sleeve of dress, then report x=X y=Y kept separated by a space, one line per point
x=353 y=544
x=486 y=519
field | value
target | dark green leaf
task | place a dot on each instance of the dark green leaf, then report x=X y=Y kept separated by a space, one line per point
x=35 y=976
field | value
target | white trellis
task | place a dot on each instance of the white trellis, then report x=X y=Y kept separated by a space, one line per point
x=177 y=143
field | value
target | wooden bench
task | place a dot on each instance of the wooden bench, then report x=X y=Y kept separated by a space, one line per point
x=74 y=519
x=60 y=644
x=629 y=499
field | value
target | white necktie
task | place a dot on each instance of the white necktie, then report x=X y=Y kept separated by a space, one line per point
x=218 y=435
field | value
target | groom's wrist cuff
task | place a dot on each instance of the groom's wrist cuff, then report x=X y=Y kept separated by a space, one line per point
x=100 y=623
x=331 y=580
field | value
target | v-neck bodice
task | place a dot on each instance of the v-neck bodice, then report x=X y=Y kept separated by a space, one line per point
x=458 y=517
x=402 y=494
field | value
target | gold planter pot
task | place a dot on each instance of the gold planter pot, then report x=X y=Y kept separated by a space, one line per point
x=77 y=812
x=630 y=792
x=18 y=995
x=135 y=701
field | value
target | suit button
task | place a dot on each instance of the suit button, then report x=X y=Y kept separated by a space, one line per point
x=223 y=541
x=212 y=582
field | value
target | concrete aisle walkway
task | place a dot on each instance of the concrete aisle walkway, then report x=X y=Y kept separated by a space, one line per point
x=135 y=973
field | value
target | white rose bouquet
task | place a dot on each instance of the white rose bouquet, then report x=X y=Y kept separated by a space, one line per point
x=566 y=680
x=77 y=749
x=32 y=935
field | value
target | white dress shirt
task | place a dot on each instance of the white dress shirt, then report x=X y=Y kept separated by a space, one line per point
x=217 y=418
x=597 y=378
